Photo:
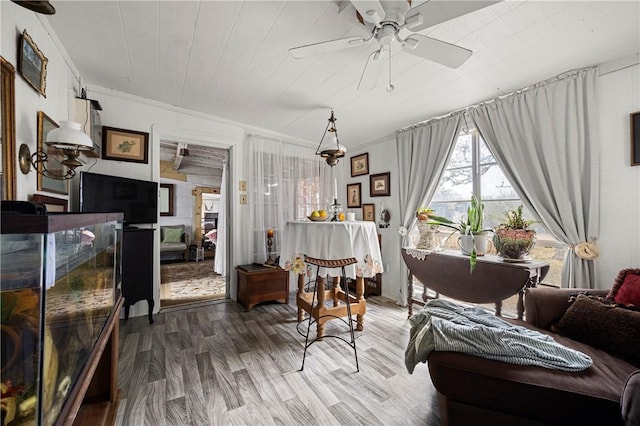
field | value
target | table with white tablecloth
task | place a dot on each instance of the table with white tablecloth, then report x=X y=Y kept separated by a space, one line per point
x=331 y=240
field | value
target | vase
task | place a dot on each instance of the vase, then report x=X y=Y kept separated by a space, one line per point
x=468 y=241
x=429 y=239
x=514 y=243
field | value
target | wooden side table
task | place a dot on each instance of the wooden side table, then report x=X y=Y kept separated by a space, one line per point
x=259 y=283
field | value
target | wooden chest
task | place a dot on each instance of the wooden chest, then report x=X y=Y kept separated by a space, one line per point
x=258 y=283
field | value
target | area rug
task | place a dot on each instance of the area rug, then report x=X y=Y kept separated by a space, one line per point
x=190 y=282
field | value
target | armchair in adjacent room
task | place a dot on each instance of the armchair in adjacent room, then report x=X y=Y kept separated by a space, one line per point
x=174 y=241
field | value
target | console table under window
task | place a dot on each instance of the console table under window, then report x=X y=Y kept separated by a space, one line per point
x=493 y=279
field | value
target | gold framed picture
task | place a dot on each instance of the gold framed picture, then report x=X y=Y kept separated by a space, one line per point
x=125 y=145
x=54 y=159
x=369 y=212
x=32 y=64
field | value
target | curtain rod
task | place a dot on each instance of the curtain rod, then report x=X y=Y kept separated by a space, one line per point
x=465 y=110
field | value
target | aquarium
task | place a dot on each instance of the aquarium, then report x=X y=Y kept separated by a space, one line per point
x=59 y=285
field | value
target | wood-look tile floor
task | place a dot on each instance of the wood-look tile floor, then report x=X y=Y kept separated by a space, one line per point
x=219 y=365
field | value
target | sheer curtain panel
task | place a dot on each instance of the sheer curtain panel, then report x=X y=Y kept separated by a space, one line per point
x=288 y=182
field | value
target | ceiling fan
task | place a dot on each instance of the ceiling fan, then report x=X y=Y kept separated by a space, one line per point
x=385 y=19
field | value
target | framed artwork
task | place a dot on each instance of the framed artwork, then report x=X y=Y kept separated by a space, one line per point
x=32 y=64
x=125 y=145
x=166 y=199
x=353 y=195
x=635 y=139
x=54 y=159
x=369 y=212
x=379 y=185
x=360 y=165
x=7 y=130
x=53 y=204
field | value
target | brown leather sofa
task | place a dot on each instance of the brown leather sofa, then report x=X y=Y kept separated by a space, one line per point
x=479 y=391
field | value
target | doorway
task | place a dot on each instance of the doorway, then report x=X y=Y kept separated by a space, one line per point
x=195 y=172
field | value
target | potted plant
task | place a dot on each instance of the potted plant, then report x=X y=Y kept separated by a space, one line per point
x=512 y=238
x=423 y=213
x=473 y=237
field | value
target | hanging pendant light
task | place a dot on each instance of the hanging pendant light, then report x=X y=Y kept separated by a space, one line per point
x=333 y=151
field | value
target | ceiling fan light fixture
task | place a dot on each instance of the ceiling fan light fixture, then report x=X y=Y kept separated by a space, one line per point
x=385 y=19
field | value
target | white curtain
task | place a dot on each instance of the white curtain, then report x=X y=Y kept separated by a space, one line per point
x=423 y=154
x=288 y=182
x=545 y=140
x=220 y=262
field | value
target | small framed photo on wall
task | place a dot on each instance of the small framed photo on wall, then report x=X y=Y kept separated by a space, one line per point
x=125 y=145
x=369 y=212
x=379 y=185
x=635 y=139
x=360 y=165
x=353 y=195
x=166 y=199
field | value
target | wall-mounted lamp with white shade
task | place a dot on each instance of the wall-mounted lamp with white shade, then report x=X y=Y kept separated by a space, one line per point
x=69 y=140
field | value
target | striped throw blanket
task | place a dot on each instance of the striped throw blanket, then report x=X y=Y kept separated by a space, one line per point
x=446 y=326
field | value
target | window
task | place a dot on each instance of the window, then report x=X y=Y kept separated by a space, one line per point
x=473 y=170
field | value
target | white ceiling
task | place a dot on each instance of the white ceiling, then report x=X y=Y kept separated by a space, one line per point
x=230 y=58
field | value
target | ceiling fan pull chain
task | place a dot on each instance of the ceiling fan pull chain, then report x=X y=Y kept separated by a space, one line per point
x=390 y=87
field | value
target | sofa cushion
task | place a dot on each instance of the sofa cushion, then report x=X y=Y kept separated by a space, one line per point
x=630 y=401
x=603 y=325
x=626 y=288
x=172 y=234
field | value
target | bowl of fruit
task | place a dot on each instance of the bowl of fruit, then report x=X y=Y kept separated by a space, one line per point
x=318 y=216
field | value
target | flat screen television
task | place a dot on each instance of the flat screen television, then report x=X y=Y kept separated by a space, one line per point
x=137 y=199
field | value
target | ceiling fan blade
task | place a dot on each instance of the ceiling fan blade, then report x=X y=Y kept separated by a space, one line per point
x=436 y=11
x=326 y=46
x=434 y=50
x=370 y=10
x=372 y=69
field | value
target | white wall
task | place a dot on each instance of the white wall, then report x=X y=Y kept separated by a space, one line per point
x=382 y=158
x=619 y=241
x=183 y=205
x=61 y=86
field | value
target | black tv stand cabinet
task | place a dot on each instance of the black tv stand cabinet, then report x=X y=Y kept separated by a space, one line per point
x=137 y=268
